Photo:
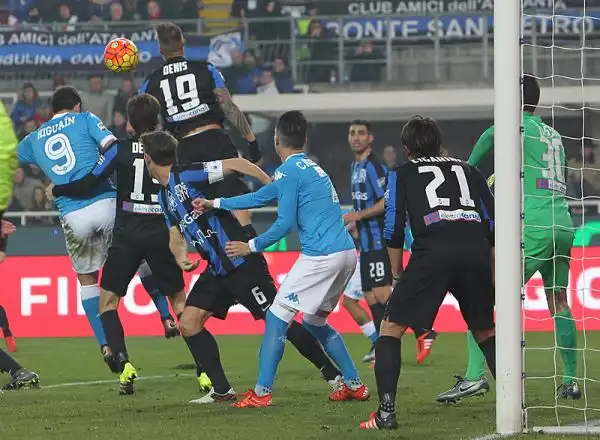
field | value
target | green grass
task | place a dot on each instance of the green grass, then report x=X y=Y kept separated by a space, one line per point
x=301 y=410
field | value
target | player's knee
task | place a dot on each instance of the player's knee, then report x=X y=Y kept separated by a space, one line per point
x=388 y=328
x=178 y=302
x=88 y=279
x=349 y=303
x=482 y=335
x=557 y=302
x=108 y=301
x=2 y=256
x=382 y=294
x=192 y=321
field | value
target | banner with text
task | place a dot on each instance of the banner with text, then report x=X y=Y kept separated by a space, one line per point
x=40 y=295
x=84 y=49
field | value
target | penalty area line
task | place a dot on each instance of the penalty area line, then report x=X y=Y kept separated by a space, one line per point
x=102 y=382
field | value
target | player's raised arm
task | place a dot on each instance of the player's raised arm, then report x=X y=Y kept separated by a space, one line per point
x=243 y=166
x=98 y=131
x=484 y=145
x=257 y=199
x=395 y=220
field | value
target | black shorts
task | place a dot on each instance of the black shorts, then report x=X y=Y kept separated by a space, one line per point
x=375 y=270
x=207 y=146
x=465 y=272
x=251 y=285
x=134 y=240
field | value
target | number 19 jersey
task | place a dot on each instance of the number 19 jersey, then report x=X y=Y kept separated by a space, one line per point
x=66 y=148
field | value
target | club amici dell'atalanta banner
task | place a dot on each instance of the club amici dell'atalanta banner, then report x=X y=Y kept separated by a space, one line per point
x=44 y=50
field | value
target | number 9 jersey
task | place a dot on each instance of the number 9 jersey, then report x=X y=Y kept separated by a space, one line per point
x=185 y=90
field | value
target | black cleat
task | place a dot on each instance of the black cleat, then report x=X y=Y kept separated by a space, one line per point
x=171 y=329
x=376 y=422
x=23 y=379
x=569 y=391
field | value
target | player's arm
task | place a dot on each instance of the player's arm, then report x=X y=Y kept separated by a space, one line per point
x=486 y=203
x=375 y=210
x=484 y=145
x=395 y=221
x=257 y=199
x=179 y=249
x=376 y=176
x=245 y=167
x=99 y=132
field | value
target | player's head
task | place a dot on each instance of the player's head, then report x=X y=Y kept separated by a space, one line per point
x=360 y=136
x=170 y=40
x=531 y=93
x=143 y=111
x=290 y=133
x=66 y=98
x=160 y=150
x=422 y=137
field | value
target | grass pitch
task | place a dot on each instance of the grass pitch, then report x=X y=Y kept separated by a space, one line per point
x=159 y=410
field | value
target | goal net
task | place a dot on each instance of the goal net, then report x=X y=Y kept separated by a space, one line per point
x=561 y=353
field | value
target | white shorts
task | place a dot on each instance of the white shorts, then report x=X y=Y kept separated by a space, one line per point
x=88 y=234
x=354 y=288
x=316 y=283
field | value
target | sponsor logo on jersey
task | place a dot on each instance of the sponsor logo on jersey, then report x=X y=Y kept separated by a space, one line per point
x=201 y=237
x=101 y=126
x=359 y=176
x=381 y=182
x=182 y=192
x=201 y=109
x=172 y=201
x=552 y=185
x=357 y=195
x=452 y=216
x=278 y=175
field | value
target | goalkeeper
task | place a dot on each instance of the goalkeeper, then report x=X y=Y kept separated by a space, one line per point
x=548 y=237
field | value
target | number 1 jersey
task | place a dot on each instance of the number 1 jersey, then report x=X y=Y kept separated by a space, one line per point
x=66 y=148
x=185 y=90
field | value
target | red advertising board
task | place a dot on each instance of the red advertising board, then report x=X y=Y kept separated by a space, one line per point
x=40 y=295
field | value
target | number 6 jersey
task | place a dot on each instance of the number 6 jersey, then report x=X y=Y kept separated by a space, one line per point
x=185 y=90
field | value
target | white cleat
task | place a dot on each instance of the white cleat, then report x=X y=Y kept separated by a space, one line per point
x=212 y=397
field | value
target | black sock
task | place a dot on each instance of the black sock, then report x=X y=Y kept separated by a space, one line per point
x=199 y=369
x=419 y=332
x=205 y=351
x=4 y=323
x=387 y=371
x=488 y=347
x=8 y=364
x=377 y=310
x=249 y=231
x=310 y=348
x=115 y=336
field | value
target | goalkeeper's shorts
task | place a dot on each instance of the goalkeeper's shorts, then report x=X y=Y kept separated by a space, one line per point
x=549 y=252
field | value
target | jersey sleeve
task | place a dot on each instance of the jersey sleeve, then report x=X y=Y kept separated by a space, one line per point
x=98 y=131
x=484 y=145
x=377 y=174
x=485 y=204
x=287 y=192
x=201 y=172
x=25 y=151
x=217 y=77
x=262 y=197
x=395 y=211
x=144 y=86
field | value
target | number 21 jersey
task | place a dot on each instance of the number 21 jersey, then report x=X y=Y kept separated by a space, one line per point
x=185 y=90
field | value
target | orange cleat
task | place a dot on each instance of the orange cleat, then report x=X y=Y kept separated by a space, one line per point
x=252 y=400
x=346 y=393
x=11 y=343
x=424 y=345
x=376 y=422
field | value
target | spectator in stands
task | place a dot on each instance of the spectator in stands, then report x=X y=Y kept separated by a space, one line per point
x=153 y=10
x=36 y=173
x=26 y=107
x=119 y=125
x=235 y=71
x=40 y=203
x=58 y=81
x=100 y=9
x=97 y=100
x=390 y=157
x=367 y=63
x=19 y=10
x=29 y=126
x=132 y=9
x=125 y=92
x=65 y=17
x=248 y=80
x=117 y=13
x=321 y=51
x=23 y=189
x=283 y=76
x=44 y=113
x=267 y=84
x=34 y=19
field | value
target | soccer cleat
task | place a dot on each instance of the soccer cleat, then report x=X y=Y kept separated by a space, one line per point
x=569 y=391
x=424 y=344
x=370 y=356
x=346 y=393
x=377 y=422
x=213 y=397
x=464 y=388
x=204 y=383
x=110 y=360
x=126 y=379
x=23 y=379
x=337 y=383
x=171 y=329
x=11 y=344
x=252 y=400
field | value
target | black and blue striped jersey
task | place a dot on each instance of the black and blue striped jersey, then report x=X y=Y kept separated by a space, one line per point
x=368 y=179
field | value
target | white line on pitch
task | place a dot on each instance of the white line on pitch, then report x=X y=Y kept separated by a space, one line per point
x=100 y=382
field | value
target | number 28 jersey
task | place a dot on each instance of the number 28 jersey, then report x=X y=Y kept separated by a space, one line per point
x=185 y=90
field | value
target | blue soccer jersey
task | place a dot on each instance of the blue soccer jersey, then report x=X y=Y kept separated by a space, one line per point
x=368 y=187
x=306 y=199
x=66 y=148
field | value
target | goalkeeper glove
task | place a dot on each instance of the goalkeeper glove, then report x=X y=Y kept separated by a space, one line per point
x=255 y=153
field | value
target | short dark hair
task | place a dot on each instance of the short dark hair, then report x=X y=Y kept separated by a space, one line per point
x=65 y=98
x=160 y=146
x=291 y=128
x=422 y=137
x=531 y=93
x=367 y=124
x=170 y=37
x=143 y=111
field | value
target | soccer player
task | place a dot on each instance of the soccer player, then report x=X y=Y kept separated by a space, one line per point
x=368 y=177
x=308 y=199
x=548 y=235
x=9 y=339
x=450 y=209
x=226 y=280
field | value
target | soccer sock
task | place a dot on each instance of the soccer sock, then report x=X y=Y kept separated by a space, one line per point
x=476 y=363
x=90 y=300
x=566 y=336
x=205 y=351
x=308 y=347
x=271 y=352
x=334 y=346
x=387 y=371
x=488 y=347
x=151 y=285
x=4 y=323
x=377 y=311
x=369 y=331
x=249 y=231
x=114 y=333
x=8 y=364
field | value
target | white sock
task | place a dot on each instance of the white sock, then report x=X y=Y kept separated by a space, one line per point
x=369 y=330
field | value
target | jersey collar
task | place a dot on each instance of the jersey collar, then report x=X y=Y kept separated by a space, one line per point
x=60 y=115
x=295 y=154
